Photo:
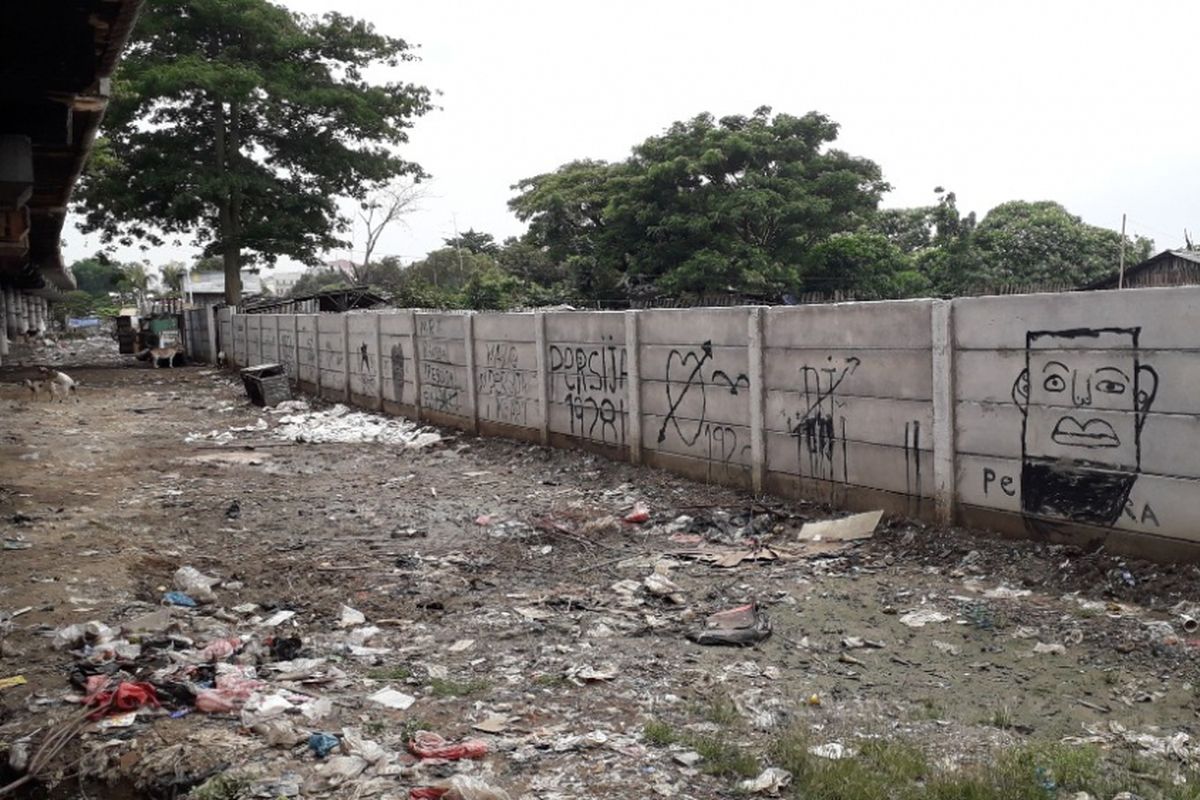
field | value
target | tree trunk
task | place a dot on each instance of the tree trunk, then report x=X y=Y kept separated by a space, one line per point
x=225 y=216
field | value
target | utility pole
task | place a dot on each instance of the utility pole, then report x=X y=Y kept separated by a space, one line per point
x=1121 y=268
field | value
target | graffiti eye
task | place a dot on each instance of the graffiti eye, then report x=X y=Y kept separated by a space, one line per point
x=1110 y=387
x=1054 y=383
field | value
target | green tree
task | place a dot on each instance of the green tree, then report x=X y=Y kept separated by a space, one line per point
x=172 y=276
x=529 y=263
x=1041 y=242
x=97 y=275
x=474 y=241
x=239 y=123
x=77 y=303
x=319 y=280
x=864 y=265
x=134 y=283
x=730 y=204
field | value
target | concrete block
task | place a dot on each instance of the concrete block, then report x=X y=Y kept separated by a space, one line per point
x=516 y=327
x=585 y=327
x=866 y=419
x=718 y=442
x=1169 y=317
x=902 y=374
x=1155 y=504
x=893 y=469
x=691 y=327
x=893 y=324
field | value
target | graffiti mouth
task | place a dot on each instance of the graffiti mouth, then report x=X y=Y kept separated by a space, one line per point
x=1070 y=432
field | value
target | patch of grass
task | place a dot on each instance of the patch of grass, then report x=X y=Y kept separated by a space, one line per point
x=899 y=770
x=1001 y=718
x=551 y=681
x=722 y=757
x=445 y=687
x=659 y=733
x=390 y=674
x=720 y=710
x=375 y=727
x=929 y=709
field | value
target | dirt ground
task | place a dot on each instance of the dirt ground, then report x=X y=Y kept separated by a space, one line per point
x=505 y=587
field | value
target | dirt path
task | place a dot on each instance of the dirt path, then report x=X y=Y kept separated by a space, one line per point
x=501 y=591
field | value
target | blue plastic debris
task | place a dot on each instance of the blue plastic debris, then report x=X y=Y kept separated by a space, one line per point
x=322 y=743
x=179 y=599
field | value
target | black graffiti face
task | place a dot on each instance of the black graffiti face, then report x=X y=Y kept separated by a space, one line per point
x=1084 y=396
x=1085 y=405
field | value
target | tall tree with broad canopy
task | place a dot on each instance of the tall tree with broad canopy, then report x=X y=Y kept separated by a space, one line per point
x=239 y=123
x=735 y=203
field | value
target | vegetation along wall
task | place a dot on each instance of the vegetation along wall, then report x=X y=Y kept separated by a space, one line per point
x=1058 y=416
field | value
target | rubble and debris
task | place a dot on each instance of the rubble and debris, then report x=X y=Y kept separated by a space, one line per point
x=770 y=781
x=922 y=617
x=739 y=627
x=845 y=529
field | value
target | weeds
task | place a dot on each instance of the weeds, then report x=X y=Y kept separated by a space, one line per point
x=1001 y=718
x=659 y=733
x=721 y=710
x=444 y=687
x=390 y=674
x=552 y=681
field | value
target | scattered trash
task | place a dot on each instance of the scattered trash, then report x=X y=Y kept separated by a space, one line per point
x=1049 y=649
x=496 y=723
x=639 y=514
x=426 y=744
x=340 y=425
x=771 y=781
x=127 y=696
x=922 y=617
x=741 y=626
x=351 y=617
x=179 y=599
x=662 y=586
x=688 y=758
x=196 y=584
x=857 y=643
x=277 y=619
x=392 y=699
x=15 y=680
x=946 y=647
x=459 y=787
x=322 y=743
x=1005 y=593
x=832 y=751
x=234 y=511
x=845 y=529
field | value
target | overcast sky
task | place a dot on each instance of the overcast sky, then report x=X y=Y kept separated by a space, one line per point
x=1092 y=104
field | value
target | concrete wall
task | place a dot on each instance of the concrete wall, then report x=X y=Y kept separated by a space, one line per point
x=1060 y=416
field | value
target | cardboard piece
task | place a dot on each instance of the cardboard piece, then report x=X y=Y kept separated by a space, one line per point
x=844 y=529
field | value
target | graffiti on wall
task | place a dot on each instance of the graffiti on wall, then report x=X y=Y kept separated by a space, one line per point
x=504 y=388
x=686 y=378
x=441 y=383
x=367 y=373
x=397 y=358
x=287 y=352
x=593 y=377
x=820 y=428
x=1081 y=426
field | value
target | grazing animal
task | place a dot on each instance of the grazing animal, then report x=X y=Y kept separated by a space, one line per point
x=61 y=384
x=156 y=355
x=37 y=387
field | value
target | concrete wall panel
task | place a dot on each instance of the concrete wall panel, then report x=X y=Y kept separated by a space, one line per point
x=867 y=419
x=902 y=374
x=285 y=337
x=572 y=327
x=887 y=325
x=398 y=368
x=364 y=354
x=331 y=354
x=307 y=333
x=689 y=328
x=1170 y=317
x=504 y=327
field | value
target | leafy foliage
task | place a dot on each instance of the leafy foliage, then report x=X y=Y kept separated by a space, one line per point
x=736 y=203
x=238 y=123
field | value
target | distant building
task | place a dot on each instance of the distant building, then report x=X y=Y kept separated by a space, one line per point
x=280 y=283
x=343 y=266
x=1168 y=268
x=208 y=288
